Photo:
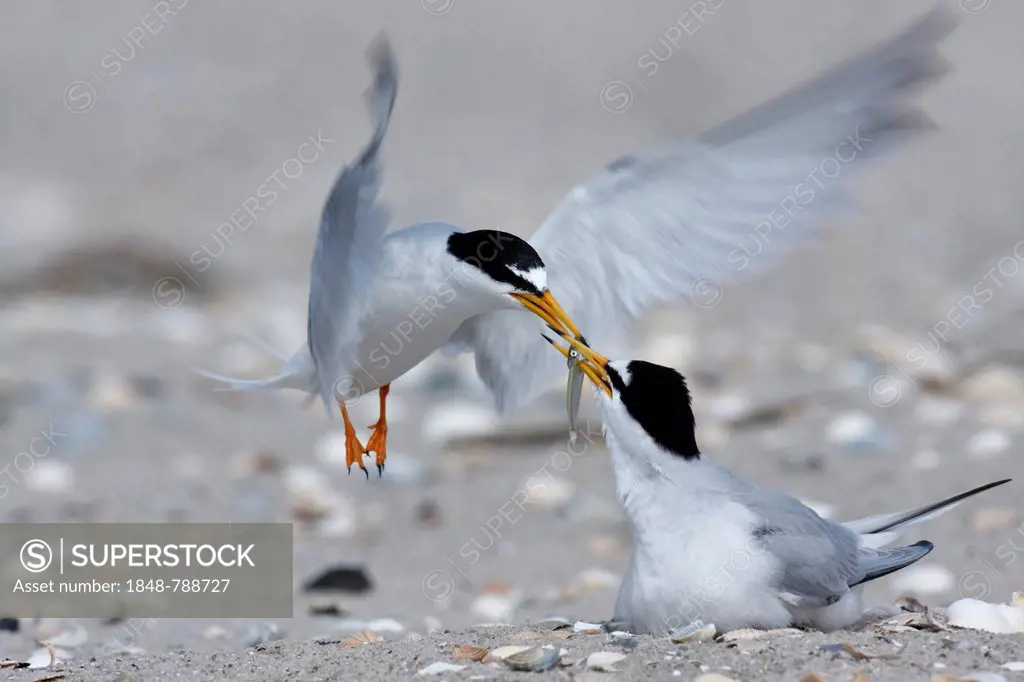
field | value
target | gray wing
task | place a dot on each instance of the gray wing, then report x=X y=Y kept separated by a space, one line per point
x=685 y=220
x=348 y=245
x=820 y=559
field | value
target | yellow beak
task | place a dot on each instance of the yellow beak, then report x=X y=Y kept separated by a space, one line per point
x=593 y=364
x=547 y=308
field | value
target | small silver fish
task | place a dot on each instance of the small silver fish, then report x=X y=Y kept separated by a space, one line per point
x=573 y=391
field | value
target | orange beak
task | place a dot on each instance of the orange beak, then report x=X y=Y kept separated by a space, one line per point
x=593 y=364
x=548 y=309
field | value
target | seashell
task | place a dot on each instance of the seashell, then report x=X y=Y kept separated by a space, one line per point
x=605 y=661
x=975 y=614
x=695 y=632
x=1014 y=666
x=587 y=628
x=750 y=633
x=553 y=623
x=715 y=677
x=440 y=668
x=503 y=652
x=465 y=652
x=534 y=659
x=360 y=639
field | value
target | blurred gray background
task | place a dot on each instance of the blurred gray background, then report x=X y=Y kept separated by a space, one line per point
x=129 y=137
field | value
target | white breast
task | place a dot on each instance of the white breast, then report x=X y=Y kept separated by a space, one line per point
x=416 y=305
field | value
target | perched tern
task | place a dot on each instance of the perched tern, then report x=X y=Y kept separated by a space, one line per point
x=710 y=547
x=644 y=232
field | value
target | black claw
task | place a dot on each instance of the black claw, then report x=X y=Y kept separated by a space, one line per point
x=367 y=472
x=380 y=471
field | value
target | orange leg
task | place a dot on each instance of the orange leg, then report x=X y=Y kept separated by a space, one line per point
x=353 y=448
x=378 y=442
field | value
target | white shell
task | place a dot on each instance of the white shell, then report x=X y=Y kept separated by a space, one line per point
x=704 y=633
x=440 y=667
x=583 y=626
x=503 y=652
x=979 y=615
x=605 y=661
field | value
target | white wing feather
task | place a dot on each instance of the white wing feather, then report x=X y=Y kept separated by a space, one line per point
x=652 y=228
x=348 y=245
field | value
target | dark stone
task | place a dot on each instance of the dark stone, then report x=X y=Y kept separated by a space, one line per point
x=352 y=579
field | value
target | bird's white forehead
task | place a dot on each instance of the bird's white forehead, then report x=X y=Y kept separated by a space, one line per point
x=621 y=367
x=538 y=277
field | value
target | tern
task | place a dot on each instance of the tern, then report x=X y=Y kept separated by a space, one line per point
x=647 y=231
x=708 y=547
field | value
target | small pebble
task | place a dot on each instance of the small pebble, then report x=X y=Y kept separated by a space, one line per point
x=938 y=410
x=605 y=661
x=993 y=518
x=988 y=443
x=49 y=476
x=1014 y=666
x=583 y=626
x=994 y=384
x=924 y=460
x=548 y=491
x=457 y=421
x=263 y=633
x=855 y=432
x=922 y=580
x=496 y=608
x=713 y=677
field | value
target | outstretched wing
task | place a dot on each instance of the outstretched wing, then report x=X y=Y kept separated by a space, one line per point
x=673 y=223
x=348 y=245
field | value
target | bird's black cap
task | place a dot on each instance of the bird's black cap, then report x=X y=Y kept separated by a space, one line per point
x=658 y=399
x=499 y=255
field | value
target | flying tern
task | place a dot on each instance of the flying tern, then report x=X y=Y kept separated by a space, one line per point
x=708 y=546
x=644 y=232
